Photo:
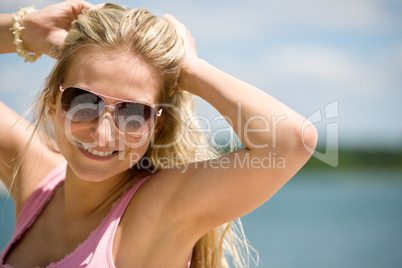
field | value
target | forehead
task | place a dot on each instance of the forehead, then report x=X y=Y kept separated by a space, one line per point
x=116 y=73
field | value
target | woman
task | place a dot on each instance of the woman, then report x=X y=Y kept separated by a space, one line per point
x=123 y=179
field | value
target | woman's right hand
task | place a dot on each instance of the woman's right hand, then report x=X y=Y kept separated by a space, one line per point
x=46 y=29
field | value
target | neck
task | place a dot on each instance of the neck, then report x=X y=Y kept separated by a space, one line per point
x=84 y=198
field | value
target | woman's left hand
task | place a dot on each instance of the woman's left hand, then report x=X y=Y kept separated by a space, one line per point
x=46 y=29
x=191 y=57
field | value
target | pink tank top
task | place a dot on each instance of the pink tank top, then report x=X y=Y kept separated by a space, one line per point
x=96 y=250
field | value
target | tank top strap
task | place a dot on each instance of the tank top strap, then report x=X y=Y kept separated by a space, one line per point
x=120 y=206
x=115 y=217
x=105 y=236
x=40 y=197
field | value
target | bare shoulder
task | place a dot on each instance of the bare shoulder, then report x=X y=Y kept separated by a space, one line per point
x=38 y=162
x=24 y=158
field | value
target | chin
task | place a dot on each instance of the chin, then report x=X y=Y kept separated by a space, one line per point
x=96 y=174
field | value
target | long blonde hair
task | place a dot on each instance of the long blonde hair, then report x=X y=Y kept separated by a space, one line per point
x=156 y=42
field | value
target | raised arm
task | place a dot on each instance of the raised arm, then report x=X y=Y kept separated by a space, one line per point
x=44 y=31
x=211 y=193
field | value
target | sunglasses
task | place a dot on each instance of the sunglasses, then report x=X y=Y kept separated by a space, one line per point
x=82 y=106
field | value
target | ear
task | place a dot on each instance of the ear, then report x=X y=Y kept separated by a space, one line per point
x=159 y=124
x=51 y=108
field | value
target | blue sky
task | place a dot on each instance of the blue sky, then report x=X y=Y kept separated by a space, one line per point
x=306 y=53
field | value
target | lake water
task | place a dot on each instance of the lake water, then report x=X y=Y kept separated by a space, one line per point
x=331 y=219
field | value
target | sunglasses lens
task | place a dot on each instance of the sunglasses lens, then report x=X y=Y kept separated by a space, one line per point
x=81 y=106
x=134 y=119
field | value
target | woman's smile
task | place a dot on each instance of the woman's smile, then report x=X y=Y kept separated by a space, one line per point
x=98 y=153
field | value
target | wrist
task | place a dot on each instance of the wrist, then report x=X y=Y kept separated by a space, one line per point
x=6 y=36
x=25 y=35
x=191 y=74
x=18 y=26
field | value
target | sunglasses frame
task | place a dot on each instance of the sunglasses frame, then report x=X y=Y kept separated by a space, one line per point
x=158 y=113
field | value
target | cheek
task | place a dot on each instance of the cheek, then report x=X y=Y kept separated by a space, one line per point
x=67 y=132
x=61 y=136
x=138 y=144
x=77 y=132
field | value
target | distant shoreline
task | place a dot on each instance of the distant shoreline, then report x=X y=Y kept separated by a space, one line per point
x=360 y=158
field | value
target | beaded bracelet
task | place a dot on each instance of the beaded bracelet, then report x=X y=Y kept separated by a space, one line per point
x=16 y=28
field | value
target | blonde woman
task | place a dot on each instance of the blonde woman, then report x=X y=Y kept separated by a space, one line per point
x=113 y=172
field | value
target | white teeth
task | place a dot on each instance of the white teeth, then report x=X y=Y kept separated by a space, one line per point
x=95 y=152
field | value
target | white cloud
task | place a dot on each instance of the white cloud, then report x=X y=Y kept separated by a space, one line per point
x=320 y=67
x=329 y=14
x=230 y=20
x=313 y=62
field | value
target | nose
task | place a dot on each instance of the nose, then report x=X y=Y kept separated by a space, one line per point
x=104 y=133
